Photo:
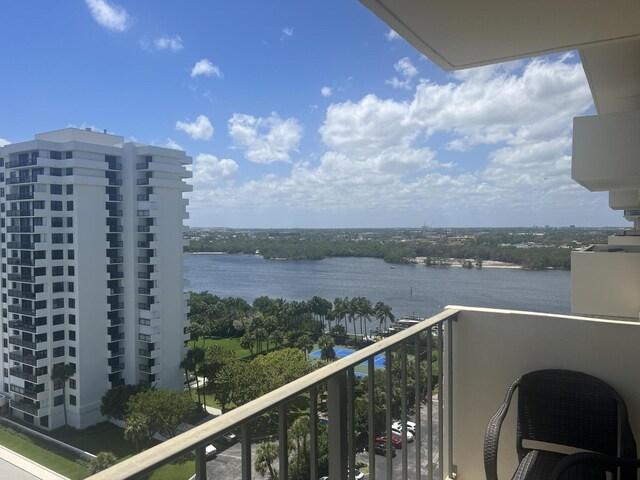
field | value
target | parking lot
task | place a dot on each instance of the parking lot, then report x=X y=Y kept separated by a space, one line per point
x=226 y=465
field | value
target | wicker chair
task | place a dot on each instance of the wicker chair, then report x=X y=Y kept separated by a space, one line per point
x=562 y=407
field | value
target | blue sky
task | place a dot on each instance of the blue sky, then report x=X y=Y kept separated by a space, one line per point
x=303 y=114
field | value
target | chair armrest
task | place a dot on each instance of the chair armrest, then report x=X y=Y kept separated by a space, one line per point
x=607 y=462
x=492 y=435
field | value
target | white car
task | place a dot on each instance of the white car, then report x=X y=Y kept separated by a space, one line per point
x=399 y=434
x=210 y=451
x=397 y=425
x=229 y=437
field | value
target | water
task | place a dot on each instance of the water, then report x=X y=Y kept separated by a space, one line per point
x=408 y=289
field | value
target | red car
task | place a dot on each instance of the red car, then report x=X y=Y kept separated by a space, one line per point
x=396 y=441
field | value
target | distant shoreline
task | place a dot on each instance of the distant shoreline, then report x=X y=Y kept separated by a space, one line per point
x=457 y=263
x=452 y=262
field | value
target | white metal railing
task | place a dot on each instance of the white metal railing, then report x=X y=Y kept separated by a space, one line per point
x=432 y=444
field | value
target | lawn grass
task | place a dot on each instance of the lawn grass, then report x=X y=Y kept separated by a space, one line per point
x=29 y=448
x=103 y=437
x=232 y=344
x=181 y=469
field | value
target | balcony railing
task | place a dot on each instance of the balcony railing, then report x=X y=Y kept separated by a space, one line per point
x=29 y=408
x=24 y=212
x=24 y=391
x=21 y=294
x=25 y=262
x=23 y=343
x=16 y=277
x=19 y=325
x=23 y=311
x=20 y=196
x=418 y=342
x=18 y=372
x=20 y=229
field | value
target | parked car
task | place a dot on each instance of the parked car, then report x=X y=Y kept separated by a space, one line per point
x=397 y=425
x=210 y=451
x=399 y=433
x=381 y=449
x=229 y=437
x=358 y=474
x=396 y=441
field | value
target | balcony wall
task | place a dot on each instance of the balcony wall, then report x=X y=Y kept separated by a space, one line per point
x=491 y=348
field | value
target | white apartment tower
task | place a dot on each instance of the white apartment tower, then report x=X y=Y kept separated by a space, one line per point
x=92 y=271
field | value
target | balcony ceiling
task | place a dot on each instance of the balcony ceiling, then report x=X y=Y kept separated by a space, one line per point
x=461 y=34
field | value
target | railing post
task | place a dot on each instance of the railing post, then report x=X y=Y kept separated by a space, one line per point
x=245 y=444
x=337 y=402
x=449 y=337
x=313 y=433
x=283 y=442
x=201 y=463
x=372 y=418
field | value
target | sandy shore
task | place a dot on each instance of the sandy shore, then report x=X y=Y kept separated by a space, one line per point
x=208 y=253
x=457 y=262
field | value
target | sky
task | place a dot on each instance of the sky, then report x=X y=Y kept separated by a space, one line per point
x=304 y=114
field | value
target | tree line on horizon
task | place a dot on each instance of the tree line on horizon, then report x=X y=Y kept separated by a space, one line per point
x=497 y=247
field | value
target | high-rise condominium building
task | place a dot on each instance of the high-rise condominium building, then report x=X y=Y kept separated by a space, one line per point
x=92 y=271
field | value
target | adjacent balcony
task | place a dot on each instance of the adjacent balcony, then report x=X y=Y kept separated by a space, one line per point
x=23 y=343
x=27 y=407
x=18 y=372
x=28 y=359
x=23 y=212
x=16 y=277
x=480 y=352
x=25 y=392
x=21 y=294
x=25 y=262
x=19 y=180
x=20 y=229
x=20 y=196
x=20 y=325
x=21 y=310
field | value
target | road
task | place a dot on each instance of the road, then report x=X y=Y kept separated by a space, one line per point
x=226 y=465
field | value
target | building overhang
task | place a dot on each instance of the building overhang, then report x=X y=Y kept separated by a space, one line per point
x=467 y=33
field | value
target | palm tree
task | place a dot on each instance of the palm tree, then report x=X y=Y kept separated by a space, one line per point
x=383 y=312
x=248 y=341
x=102 y=461
x=136 y=429
x=198 y=357
x=352 y=310
x=61 y=372
x=340 y=310
x=305 y=343
x=325 y=342
x=187 y=365
x=196 y=331
x=266 y=456
x=365 y=311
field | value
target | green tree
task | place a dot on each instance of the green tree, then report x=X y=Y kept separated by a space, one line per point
x=102 y=461
x=326 y=344
x=60 y=373
x=164 y=410
x=305 y=343
x=266 y=457
x=114 y=401
x=137 y=429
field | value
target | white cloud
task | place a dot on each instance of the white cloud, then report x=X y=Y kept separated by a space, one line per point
x=326 y=91
x=209 y=170
x=173 y=144
x=173 y=43
x=286 y=33
x=381 y=159
x=407 y=70
x=205 y=67
x=392 y=35
x=201 y=129
x=265 y=140
x=4 y=142
x=111 y=16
